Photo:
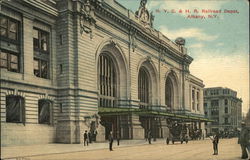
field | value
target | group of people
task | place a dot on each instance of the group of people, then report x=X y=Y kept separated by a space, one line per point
x=243 y=140
x=196 y=134
x=88 y=137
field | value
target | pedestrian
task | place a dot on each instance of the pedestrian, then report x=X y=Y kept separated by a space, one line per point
x=111 y=138
x=118 y=138
x=215 y=140
x=95 y=134
x=149 y=137
x=186 y=139
x=90 y=137
x=85 y=138
x=244 y=140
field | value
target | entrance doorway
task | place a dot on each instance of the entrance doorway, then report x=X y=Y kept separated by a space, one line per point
x=151 y=124
x=146 y=123
x=110 y=123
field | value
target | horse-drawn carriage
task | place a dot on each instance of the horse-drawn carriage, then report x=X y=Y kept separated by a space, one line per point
x=178 y=133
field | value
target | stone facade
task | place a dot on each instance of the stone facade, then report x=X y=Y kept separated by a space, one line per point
x=58 y=47
x=224 y=107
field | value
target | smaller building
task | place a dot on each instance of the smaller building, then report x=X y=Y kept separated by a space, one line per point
x=223 y=107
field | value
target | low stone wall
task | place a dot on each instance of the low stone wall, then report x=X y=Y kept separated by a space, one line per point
x=13 y=134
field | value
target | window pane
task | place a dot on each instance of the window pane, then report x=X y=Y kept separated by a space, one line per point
x=14 y=67
x=3 y=32
x=3 y=60
x=12 y=26
x=44 y=43
x=35 y=33
x=3 y=22
x=36 y=68
x=35 y=38
x=44 y=69
x=44 y=111
x=13 y=58
x=12 y=30
x=3 y=63
x=3 y=55
x=13 y=109
x=12 y=35
x=36 y=64
x=13 y=63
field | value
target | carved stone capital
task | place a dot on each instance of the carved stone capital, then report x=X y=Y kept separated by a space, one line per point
x=87 y=20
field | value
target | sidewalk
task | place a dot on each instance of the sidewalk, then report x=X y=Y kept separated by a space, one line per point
x=15 y=152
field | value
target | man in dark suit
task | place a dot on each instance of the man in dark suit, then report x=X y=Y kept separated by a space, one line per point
x=244 y=140
x=90 y=137
x=118 y=138
x=149 y=137
x=215 y=143
x=85 y=138
x=111 y=138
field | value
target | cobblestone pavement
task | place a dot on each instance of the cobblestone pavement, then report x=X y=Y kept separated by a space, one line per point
x=194 y=150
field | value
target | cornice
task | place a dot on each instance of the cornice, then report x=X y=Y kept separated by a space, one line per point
x=138 y=47
x=43 y=6
x=105 y=10
x=221 y=96
x=26 y=7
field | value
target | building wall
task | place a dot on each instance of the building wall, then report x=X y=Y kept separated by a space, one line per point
x=25 y=84
x=229 y=113
x=73 y=83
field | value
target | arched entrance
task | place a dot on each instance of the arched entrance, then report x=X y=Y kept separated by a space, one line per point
x=108 y=92
x=147 y=95
x=112 y=87
x=169 y=94
x=143 y=96
x=171 y=91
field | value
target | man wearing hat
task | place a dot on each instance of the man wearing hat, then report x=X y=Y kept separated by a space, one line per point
x=244 y=140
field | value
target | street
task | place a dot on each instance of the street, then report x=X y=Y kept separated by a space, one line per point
x=194 y=150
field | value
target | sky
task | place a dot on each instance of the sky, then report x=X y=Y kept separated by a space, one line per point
x=218 y=41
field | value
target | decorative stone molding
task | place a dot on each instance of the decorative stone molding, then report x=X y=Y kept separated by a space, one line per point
x=144 y=16
x=90 y=117
x=46 y=96
x=149 y=60
x=15 y=92
x=133 y=41
x=180 y=41
x=87 y=17
x=112 y=42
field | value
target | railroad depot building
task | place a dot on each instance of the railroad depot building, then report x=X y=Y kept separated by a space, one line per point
x=73 y=65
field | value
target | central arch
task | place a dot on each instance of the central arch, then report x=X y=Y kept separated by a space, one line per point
x=150 y=70
x=111 y=85
x=148 y=97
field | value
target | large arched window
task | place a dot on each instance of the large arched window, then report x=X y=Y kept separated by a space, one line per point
x=169 y=93
x=143 y=88
x=107 y=81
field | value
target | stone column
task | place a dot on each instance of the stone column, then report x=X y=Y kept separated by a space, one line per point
x=190 y=97
x=195 y=99
x=165 y=129
x=137 y=129
x=100 y=137
x=201 y=102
